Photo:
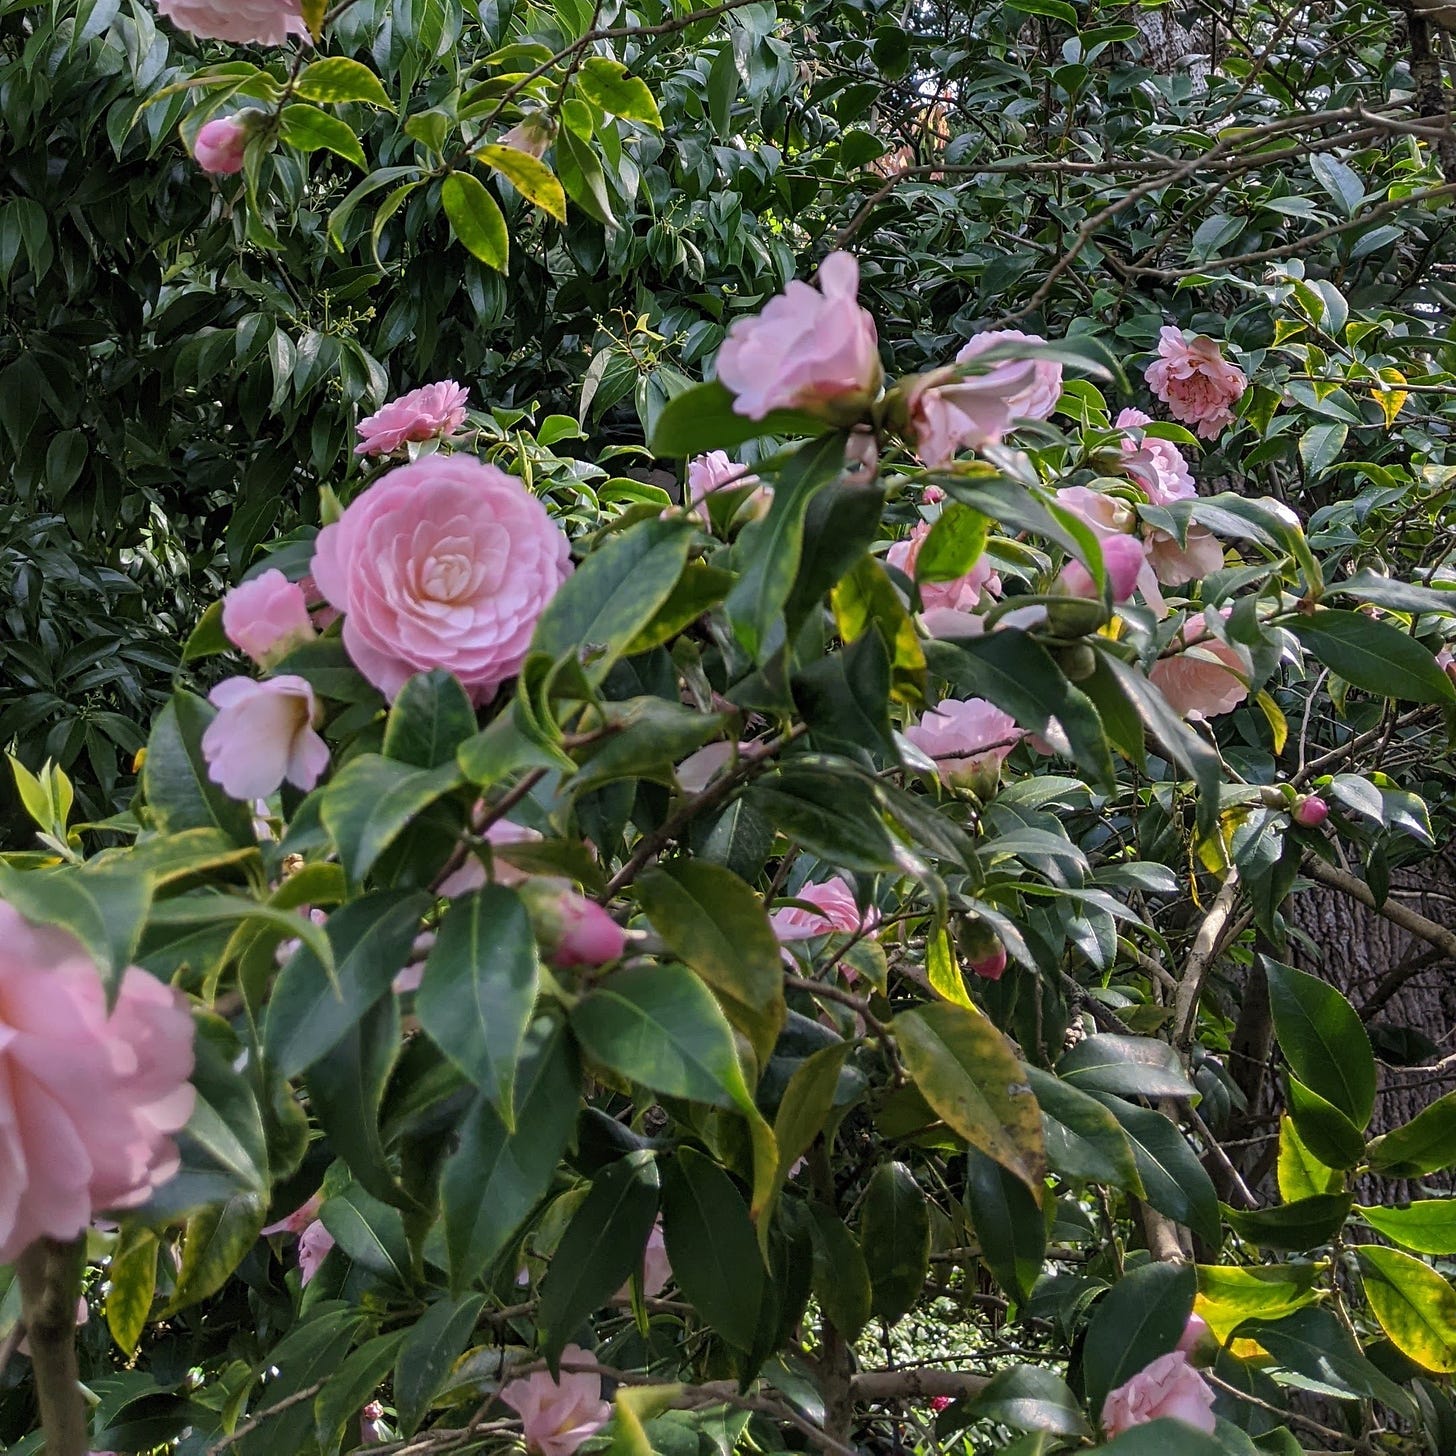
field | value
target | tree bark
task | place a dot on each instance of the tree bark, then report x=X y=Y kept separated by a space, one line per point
x=50 y=1283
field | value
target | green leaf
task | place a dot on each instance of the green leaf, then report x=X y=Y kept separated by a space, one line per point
x=479 y=988
x=1029 y=1398
x=372 y=800
x=429 y=719
x=1083 y=1139
x=312 y=130
x=214 y=1244
x=1054 y=9
x=1416 y=1307
x=723 y=88
x=582 y=176
x=716 y=924
x=1304 y=1224
x=1323 y=1128
x=1339 y=179
x=613 y=595
x=207 y=639
x=131 y=1285
x=1301 y=1174
x=534 y=180
x=1161 y=1437
x=1013 y=671
x=968 y=1073
x=894 y=1232
x=768 y=551
x=427 y=1354
x=1323 y=1040
x=606 y=82
x=104 y=906
x=336 y=79
x=659 y=1026
x=1141 y=1317
x=216 y=907
x=841 y=1276
x=1399 y=596
x=1425 y=1144
x=1320 y=446
x=1428 y=1226
x=476 y=219
x=711 y=1246
x=648 y=736
x=1374 y=656
x=175 y=783
x=353 y=1386
x=370 y=1232
x=1229 y=1295
x=601 y=1249
x=807 y=1102
x=496 y=1177
x=1130 y=1066
x=307 y=1013
x=1174 y=1179
x=304 y=1358
x=702 y=418
x=1314 y=1345
x=1007 y=1223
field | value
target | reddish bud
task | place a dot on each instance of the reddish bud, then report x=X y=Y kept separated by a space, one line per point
x=572 y=930
x=1311 y=811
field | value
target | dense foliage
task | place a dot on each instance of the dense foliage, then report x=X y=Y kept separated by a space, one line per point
x=623 y=972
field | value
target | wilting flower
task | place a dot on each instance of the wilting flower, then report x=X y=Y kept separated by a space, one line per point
x=89 y=1099
x=261 y=22
x=297 y=1221
x=267 y=617
x=1039 y=397
x=836 y=910
x=968 y=739
x=371 y=1424
x=1156 y=465
x=263 y=733
x=1199 y=386
x=219 y=145
x=446 y=562
x=532 y=134
x=432 y=412
x=558 y=1415
x=1207 y=677
x=810 y=349
x=1169 y=1388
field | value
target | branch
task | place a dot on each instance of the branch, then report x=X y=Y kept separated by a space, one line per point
x=250 y=1425
x=1398 y=914
x=50 y=1283
x=908 y=1385
x=1206 y=945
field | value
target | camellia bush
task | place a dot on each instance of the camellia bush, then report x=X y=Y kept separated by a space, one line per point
x=756 y=914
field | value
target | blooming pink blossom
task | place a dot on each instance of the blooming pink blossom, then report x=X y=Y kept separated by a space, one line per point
x=263 y=733
x=314 y=1244
x=1199 y=386
x=1106 y=515
x=1206 y=678
x=1122 y=557
x=1156 y=465
x=836 y=911
x=267 y=617
x=1310 y=811
x=433 y=412
x=1038 y=398
x=261 y=22
x=1168 y=1388
x=1173 y=564
x=946 y=413
x=959 y=595
x=446 y=562
x=88 y=1100
x=968 y=739
x=715 y=471
x=324 y=616
x=810 y=349
x=558 y=1415
x=219 y=145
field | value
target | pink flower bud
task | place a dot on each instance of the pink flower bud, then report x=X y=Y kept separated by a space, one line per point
x=219 y=145
x=990 y=967
x=532 y=134
x=1196 y=1334
x=1123 y=558
x=267 y=617
x=982 y=948
x=939 y=1402
x=572 y=930
x=1310 y=811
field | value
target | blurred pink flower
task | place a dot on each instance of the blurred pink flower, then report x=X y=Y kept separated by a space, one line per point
x=960 y=595
x=371 y=1424
x=1206 y=678
x=1107 y=515
x=1169 y=1388
x=431 y=412
x=260 y=22
x=656 y=1270
x=446 y=562
x=1195 y=1333
x=471 y=875
x=810 y=349
x=699 y=769
x=1174 y=564
x=1123 y=558
x=314 y=1244
x=1156 y=465
x=558 y=1415
x=968 y=739
x=263 y=734
x=88 y=1100
x=532 y=134
x=836 y=911
x=298 y=1220
x=219 y=145
x=1040 y=395
x=1199 y=386
x=266 y=617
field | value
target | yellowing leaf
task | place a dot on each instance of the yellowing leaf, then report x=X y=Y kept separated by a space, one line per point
x=1391 y=400
x=945 y=974
x=1227 y=1296
x=1416 y=1307
x=534 y=180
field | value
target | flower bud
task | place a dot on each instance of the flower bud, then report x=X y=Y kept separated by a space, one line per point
x=532 y=134
x=982 y=948
x=1310 y=811
x=572 y=930
x=220 y=143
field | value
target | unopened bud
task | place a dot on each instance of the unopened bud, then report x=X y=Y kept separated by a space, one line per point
x=1310 y=811
x=982 y=948
x=572 y=930
x=532 y=134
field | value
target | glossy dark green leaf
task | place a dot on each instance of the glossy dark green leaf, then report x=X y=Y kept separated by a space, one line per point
x=1323 y=1040
x=1323 y=1128
x=1130 y=1066
x=894 y=1232
x=1304 y=1224
x=352 y=1386
x=304 y=1358
x=214 y=1244
x=1374 y=655
x=1029 y=1398
x=1008 y=1225
x=1162 y=1437
x=841 y=1274
x=1141 y=1317
x=369 y=1232
x=428 y=1352
x=1425 y=1144
x=373 y=799
x=430 y=718
x=1175 y=1181
x=1314 y=1345
x=1083 y=1139
x=702 y=418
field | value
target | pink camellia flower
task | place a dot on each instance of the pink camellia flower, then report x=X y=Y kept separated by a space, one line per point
x=1122 y=556
x=1196 y=1334
x=261 y=22
x=532 y=134
x=1206 y=678
x=471 y=875
x=1168 y=1388
x=88 y=1100
x=946 y=413
x=432 y=412
x=572 y=930
x=1310 y=811
x=715 y=471
x=939 y=1403
x=1173 y=564
x=263 y=734
x=960 y=595
x=267 y=617
x=1106 y=515
x=656 y=1270
x=558 y=1415
x=446 y=562
x=371 y=1424
x=699 y=769
x=968 y=739
x=836 y=910
x=219 y=145
x=1199 y=386
x=1038 y=398
x=314 y=1244
x=1156 y=465
x=811 y=349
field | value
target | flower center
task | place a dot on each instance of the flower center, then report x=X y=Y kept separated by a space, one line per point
x=446 y=577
